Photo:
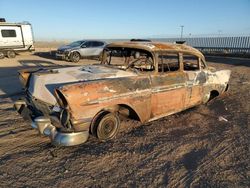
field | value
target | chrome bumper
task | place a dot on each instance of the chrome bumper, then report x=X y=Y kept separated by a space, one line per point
x=44 y=127
x=21 y=107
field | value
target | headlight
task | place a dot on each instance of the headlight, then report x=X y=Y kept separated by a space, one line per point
x=66 y=53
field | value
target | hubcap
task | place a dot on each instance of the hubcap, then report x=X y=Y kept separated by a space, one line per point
x=75 y=57
x=108 y=128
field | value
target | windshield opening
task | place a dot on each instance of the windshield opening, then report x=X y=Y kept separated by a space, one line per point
x=76 y=43
x=128 y=58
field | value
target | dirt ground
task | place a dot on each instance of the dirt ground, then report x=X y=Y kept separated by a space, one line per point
x=206 y=146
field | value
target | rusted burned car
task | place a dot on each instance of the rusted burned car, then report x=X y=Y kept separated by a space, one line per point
x=141 y=80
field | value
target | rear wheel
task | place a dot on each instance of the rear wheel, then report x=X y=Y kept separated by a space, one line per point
x=75 y=57
x=11 y=54
x=1 y=55
x=106 y=126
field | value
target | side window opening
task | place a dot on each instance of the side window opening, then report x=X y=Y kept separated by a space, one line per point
x=99 y=44
x=95 y=44
x=141 y=60
x=128 y=58
x=190 y=62
x=87 y=44
x=168 y=63
x=8 y=33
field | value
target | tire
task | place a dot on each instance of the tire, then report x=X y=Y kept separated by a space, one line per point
x=11 y=54
x=106 y=126
x=1 y=55
x=75 y=57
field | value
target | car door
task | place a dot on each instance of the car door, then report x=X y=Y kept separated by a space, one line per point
x=195 y=79
x=91 y=48
x=97 y=48
x=168 y=86
x=86 y=49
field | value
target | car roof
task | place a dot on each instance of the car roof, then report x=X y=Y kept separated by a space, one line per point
x=92 y=40
x=14 y=24
x=157 y=46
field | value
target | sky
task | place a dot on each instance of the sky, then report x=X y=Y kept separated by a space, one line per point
x=124 y=19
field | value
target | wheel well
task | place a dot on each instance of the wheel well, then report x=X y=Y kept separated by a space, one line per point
x=213 y=94
x=123 y=110
x=128 y=111
x=227 y=87
x=75 y=52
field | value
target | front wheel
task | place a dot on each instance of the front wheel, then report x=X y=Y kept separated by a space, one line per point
x=75 y=57
x=106 y=126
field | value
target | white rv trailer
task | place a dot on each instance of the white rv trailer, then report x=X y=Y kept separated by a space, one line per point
x=15 y=38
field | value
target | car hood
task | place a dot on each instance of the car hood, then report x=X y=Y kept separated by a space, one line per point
x=66 y=47
x=43 y=83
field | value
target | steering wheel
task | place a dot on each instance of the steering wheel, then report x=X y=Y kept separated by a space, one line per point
x=143 y=61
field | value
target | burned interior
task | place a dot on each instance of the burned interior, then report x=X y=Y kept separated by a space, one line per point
x=128 y=58
x=143 y=61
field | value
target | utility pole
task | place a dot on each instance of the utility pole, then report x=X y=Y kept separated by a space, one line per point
x=182 y=26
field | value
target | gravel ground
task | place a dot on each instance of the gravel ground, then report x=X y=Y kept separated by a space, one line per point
x=194 y=148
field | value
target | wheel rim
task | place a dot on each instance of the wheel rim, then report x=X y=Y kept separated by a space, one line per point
x=75 y=57
x=107 y=128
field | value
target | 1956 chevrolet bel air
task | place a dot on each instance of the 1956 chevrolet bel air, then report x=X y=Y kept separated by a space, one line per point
x=141 y=80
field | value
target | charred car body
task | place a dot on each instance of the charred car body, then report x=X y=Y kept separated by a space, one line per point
x=141 y=80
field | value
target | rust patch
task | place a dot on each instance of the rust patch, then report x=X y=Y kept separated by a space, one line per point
x=158 y=46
